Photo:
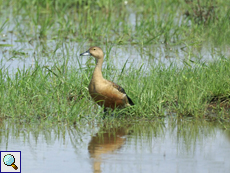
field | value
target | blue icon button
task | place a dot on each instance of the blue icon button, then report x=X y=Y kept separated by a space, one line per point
x=9 y=160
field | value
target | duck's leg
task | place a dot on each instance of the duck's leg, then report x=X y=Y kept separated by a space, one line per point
x=106 y=113
x=105 y=110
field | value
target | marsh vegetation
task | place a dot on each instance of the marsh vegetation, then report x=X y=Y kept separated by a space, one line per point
x=171 y=57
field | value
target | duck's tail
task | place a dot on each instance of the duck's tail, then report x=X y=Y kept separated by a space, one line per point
x=130 y=101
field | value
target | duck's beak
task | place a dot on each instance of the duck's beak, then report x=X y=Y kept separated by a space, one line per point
x=85 y=53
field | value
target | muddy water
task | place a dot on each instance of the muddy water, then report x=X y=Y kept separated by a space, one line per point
x=158 y=146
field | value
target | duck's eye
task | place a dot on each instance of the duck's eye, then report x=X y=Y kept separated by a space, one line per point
x=94 y=49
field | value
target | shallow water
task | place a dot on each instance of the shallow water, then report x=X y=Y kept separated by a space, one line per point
x=27 y=47
x=158 y=146
x=25 y=50
x=50 y=52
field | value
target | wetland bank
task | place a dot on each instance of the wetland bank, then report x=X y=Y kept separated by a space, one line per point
x=171 y=57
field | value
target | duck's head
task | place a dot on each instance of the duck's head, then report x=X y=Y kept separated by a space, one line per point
x=96 y=52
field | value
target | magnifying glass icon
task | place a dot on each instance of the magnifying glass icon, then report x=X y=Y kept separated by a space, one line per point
x=9 y=160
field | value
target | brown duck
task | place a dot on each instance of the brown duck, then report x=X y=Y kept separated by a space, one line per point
x=105 y=93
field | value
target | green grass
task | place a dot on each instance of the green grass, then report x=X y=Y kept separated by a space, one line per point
x=42 y=92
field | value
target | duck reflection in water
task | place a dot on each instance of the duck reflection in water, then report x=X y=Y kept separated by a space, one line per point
x=106 y=141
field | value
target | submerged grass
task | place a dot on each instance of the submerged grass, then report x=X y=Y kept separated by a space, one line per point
x=120 y=22
x=185 y=131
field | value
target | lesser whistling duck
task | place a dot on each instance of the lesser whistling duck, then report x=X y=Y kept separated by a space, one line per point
x=104 y=92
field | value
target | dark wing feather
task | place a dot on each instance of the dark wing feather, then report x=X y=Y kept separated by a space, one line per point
x=119 y=88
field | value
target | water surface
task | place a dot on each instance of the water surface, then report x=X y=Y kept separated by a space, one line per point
x=157 y=146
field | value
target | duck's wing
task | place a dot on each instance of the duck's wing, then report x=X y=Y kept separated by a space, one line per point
x=122 y=90
x=118 y=87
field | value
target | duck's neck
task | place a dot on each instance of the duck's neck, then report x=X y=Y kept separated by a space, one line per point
x=97 y=74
